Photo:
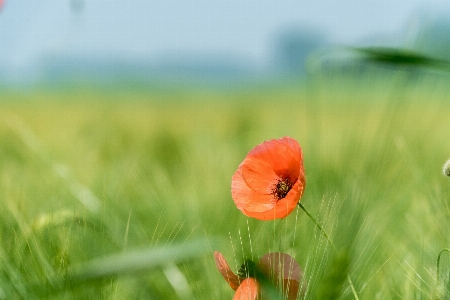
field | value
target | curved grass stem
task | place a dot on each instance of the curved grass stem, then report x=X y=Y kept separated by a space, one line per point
x=438 y=261
x=355 y=294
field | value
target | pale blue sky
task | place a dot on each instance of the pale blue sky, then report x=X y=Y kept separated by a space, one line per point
x=150 y=29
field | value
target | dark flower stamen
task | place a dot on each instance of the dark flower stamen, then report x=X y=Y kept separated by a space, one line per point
x=282 y=188
x=247 y=269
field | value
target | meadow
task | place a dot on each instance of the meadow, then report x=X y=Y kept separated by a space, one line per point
x=125 y=193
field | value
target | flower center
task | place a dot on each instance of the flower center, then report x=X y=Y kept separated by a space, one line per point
x=247 y=269
x=282 y=188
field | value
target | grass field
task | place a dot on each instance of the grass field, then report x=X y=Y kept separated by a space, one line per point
x=125 y=194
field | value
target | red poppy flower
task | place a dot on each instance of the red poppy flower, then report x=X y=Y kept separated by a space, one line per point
x=270 y=181
x=248 y=290
x=280 y=268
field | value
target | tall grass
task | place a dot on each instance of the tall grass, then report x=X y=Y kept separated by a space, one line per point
x=126 y=196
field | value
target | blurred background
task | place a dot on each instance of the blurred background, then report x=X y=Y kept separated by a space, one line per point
x=57 y=42
x=122 y=123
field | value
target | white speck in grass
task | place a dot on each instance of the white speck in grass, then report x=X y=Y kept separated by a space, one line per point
x=446 y=168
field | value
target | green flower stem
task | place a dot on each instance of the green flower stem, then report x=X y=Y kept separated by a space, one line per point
x=438 y=262
x=334 y=247
x=318 y=226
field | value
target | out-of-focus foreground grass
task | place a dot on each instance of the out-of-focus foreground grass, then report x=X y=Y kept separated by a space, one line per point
x=126 y=194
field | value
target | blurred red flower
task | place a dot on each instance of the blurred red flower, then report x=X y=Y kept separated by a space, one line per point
x=269 y=182
x=279 y=268
x=248 y=290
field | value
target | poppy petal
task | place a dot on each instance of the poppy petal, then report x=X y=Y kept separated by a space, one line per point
x=261 y=215
x=293 y=155
x=283 y=270
x=271 y=161
x=277 y=213
x=286 y=205
x=281 y=209
x=248 y=290
x=225 y=270
x=275 y=153
x=243 y=195
x=259 y=176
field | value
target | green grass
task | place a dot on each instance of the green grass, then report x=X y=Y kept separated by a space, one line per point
x=107 y=195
